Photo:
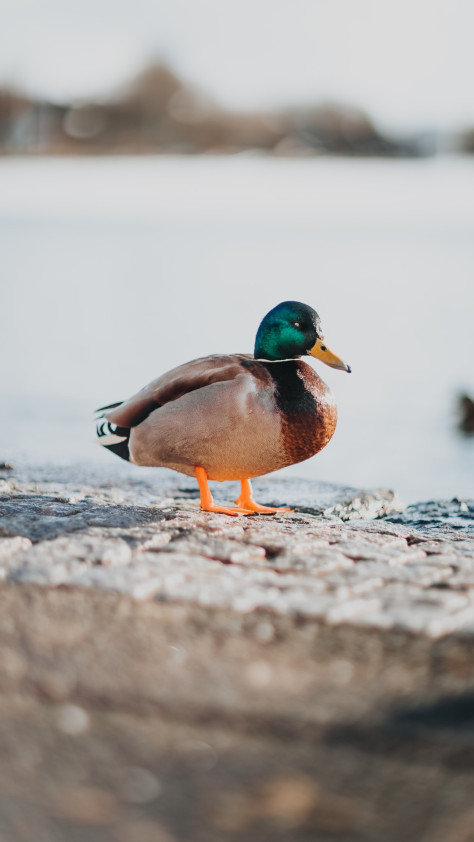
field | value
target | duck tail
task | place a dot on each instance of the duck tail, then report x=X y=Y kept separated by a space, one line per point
x=111 y=436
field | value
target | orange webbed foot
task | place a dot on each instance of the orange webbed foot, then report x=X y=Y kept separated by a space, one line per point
x=207 y=503
x=262 y=510
x=227 y=510
x=246 y=505
x=247 y=502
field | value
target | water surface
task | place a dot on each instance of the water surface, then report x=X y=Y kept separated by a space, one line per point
x=116 y=269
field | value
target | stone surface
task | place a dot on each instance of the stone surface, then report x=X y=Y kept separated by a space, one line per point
x=414 y=571
x=171 y=675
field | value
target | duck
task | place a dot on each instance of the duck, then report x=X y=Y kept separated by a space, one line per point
x=233 y=416
x=466 y=414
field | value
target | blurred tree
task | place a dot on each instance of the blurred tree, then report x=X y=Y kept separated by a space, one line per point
x=159 y=112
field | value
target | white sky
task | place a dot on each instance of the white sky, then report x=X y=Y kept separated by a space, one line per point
x=410 y=63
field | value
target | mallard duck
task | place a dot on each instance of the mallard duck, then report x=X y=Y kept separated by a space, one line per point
x=233 y=416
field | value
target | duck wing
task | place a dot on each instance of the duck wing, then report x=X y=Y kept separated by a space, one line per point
x=174 y=384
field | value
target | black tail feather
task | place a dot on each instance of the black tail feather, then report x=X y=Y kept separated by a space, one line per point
x=121 y=449
x=114 y=438
x=110 y=406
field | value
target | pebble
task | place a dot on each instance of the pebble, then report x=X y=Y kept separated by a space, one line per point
x=139 y=786
x=72 y=719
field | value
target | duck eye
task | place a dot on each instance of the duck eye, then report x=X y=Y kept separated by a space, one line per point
x=297 y=324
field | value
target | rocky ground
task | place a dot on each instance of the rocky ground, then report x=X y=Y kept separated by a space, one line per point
x=175 y=676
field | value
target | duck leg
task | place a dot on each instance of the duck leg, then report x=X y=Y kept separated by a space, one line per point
x=248 y=503
x=207 y=503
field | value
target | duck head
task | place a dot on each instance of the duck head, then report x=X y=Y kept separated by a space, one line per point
x=293 y=329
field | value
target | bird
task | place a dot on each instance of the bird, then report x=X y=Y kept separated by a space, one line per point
x=233 y=416
x=466 y=414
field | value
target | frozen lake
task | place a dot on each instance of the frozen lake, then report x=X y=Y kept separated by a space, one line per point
x=116 y=269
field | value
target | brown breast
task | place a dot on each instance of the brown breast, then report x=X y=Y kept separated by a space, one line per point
x=306 y=406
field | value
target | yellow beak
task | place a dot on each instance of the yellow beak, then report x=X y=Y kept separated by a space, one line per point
x=322 y=352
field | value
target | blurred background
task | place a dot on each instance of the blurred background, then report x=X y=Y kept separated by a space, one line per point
x=169 y=171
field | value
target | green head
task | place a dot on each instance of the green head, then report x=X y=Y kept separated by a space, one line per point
x=291 y=330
